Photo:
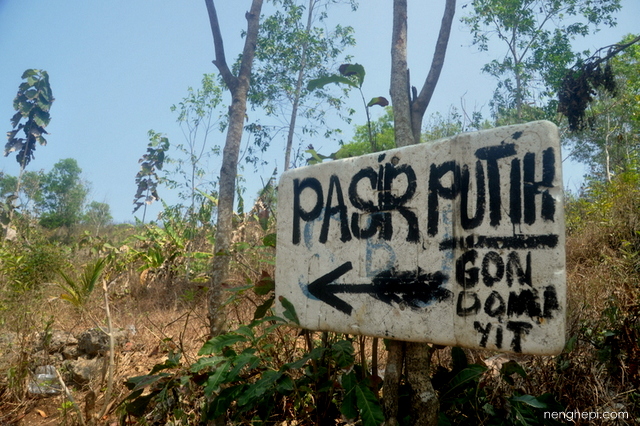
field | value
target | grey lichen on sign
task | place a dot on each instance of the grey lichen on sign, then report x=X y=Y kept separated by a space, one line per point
x=455 y=242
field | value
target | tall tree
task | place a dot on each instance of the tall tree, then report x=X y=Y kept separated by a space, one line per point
x=32 y=104
x=198 y=117
x=537 y=35
x=97 y=215
x=295 y=46
x=409 y=108
x=63 y=195
x=238 y=85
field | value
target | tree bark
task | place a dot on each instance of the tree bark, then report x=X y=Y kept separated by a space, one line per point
x=239 y=87
x=392 y=374
x=408 y=116
x=400 y=91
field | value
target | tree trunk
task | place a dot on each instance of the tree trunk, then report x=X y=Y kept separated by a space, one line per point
x=298 y=92
x=408 y=114
x=400 y=90
x=239 y=87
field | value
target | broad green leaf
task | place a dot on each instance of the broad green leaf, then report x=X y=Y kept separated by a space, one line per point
x=16 y=119
x=353 y=70
x=510 y=368
x=209 y=362
x=342 y=352
x=218 y=343
x=285 y=384
x=223 y=401
x=41 y=118
x=316 y=353
x=289 y=310
x=319 y=83
x=349 y=406
x=470 y=374
x=168 y=364
x=246 y=331
x=379 y=100
x=369 y=406
x=31 y=93
x=257 y=389
x=265 y=285
x=217 y=378
x=529 y=400
x=245 y=359
x=141 y=382
x=138 y=404
x=29 y=73
x=316 y=158
x=262 y=310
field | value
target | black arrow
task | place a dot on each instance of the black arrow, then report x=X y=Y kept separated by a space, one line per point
x=411 y=288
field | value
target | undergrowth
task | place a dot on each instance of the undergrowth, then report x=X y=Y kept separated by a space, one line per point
x=263 y=371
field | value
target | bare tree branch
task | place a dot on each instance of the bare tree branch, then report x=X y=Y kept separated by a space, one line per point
x=220 y=61
x=419 y=105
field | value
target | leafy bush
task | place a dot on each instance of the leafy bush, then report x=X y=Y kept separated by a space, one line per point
x=245 y=376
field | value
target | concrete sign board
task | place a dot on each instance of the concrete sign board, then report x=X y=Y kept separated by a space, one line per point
x=455 y=242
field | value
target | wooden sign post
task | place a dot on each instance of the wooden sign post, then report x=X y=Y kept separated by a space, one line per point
x=456 y=242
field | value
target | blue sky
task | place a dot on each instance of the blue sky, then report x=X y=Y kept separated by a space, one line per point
x=116 y=68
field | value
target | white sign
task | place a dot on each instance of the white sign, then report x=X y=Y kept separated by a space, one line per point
x=456 y=242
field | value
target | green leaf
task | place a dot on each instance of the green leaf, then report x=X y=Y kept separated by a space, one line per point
x=285 y=384
x=529 y=400
x=370 y=410
x=209 y=362
x=170 y=362
x=209 y=197
x=257 y=389
x=245 y=359
x=223 y=401
x=510 y=368
x=218 y=343
x=355 y=70
x=217 y=378
x=470 y=374
x=349 y=407
x=289 y=310
x=41 y=118
x=29 y=73
x=343 y=353
x=265 y=285
x=140 y=382
x=262 y=310
x=31 y=93
x=316 y=158
x=269 y=240
x=16 y=119
x=319 y=83
x=138 y=405
x=379 y=100
x=316 y=353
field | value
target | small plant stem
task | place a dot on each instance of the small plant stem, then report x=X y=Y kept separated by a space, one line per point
x=70 y=398
x=107 y=395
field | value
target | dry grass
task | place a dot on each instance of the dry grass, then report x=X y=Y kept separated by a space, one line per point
x=169 y=314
